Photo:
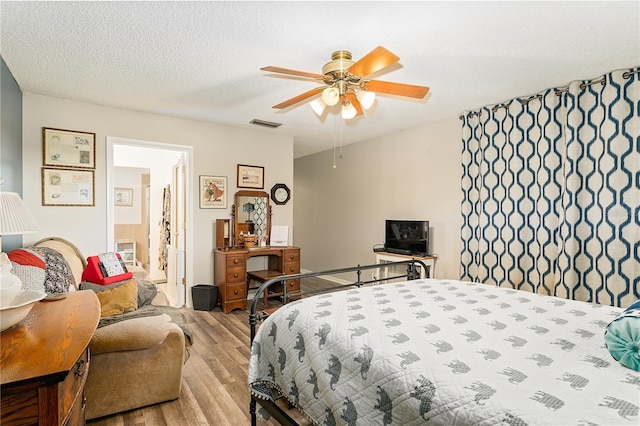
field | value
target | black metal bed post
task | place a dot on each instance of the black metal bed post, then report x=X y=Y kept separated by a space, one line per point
x=252 y=404
x=252 y=412
x=412 y=271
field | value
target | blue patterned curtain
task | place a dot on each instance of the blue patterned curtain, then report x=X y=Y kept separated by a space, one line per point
x=551 y=192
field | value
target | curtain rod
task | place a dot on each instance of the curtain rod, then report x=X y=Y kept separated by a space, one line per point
x=559 y=91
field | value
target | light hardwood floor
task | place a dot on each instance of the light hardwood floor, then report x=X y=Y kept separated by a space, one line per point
x=214 y=385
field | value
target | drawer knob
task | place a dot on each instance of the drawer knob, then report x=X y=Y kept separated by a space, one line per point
x=291 y=269
x=79 y=368
x=290 y=284
x=235 y=275
x=235 y=261
x=235 y=291
x=291 y=257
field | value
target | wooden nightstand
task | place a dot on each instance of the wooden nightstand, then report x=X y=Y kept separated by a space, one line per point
x=44 y=361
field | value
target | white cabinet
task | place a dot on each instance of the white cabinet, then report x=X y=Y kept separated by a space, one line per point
x=384 y=257
x=127 y=250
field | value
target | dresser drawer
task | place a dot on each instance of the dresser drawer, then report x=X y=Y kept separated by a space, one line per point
x=71 y=389
x=291 y=268
x=235 y=292
x=19 y=406
x=293 y=286
x=291 y=256
x=235 y=261
x=236 y=275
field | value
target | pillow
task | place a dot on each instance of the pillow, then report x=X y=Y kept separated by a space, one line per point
x=86 y=285
x=118 y=300
x=146 y=293
x=58 y=276
x=622 y=337
x=29 y=267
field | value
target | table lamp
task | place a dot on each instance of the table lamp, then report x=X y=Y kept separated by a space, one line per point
x=15 y=219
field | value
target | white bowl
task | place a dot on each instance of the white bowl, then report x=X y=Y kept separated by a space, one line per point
x=19 y=308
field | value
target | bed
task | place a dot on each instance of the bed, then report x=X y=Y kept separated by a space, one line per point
x=441 y=352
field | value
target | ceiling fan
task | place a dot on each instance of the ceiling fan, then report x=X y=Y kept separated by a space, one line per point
x=345 y=82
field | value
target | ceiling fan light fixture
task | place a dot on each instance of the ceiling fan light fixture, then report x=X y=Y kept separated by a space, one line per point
x=318 y=106
x=348 y=110
x=331 y=96
x=366 y=98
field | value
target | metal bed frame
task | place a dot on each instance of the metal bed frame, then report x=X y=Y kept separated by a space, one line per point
x=412 y=273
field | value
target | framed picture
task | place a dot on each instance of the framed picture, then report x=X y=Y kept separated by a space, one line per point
x=213 y=192
x=68 y=148
x=68 y=187
x=122 y=196
x=250 y=176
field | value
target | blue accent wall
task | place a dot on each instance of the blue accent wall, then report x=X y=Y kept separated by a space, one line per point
x=10 y=142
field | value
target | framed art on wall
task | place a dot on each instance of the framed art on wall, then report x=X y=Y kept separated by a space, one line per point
x=68 y=148
x=67 y=187
x=213 y=192
x=123 y=196
x=250 y=176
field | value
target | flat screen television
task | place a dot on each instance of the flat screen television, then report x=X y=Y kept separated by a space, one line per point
x=407 y=237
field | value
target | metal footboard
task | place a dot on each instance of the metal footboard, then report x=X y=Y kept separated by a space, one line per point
x=412 y=273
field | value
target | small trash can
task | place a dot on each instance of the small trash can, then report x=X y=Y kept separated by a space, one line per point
x=205 y=297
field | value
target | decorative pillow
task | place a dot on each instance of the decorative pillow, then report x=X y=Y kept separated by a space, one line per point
x=29 y=266
x=58 y=276
x=622 y=337
x=118 y=300
x=86 y=285
x=146 y=293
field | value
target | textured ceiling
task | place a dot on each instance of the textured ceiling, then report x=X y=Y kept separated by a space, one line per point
x=202 y=60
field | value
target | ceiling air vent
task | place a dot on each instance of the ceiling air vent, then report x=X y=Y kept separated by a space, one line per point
x=269 y=124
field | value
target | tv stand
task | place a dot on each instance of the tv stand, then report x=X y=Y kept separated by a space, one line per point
x=386 y=257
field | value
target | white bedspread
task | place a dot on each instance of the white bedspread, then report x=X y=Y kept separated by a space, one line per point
x=444 y=352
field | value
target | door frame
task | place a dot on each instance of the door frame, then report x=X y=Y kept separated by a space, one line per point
x=187 y=152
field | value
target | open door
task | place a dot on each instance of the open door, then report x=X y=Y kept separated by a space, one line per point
x=170 y=167
x=176 y=252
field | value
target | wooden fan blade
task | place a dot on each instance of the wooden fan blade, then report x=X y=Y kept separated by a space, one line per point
x=355 y=102
x=299 y=98
x=399 y=89
x=373 y=61
x=294 y=72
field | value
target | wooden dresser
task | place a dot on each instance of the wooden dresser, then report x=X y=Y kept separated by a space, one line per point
x=230 y=272
x=45 y=361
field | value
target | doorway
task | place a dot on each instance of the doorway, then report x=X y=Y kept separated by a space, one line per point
x=160 y=210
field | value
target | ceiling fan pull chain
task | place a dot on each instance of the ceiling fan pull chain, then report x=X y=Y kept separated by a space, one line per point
x=334 y=141
x=341 y=122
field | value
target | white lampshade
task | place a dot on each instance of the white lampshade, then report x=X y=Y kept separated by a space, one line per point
x=331 y=96
x=15 y=218
x=318 y=106
x=366 y=98
x=348 y=110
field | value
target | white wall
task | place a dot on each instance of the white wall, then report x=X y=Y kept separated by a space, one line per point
x=217 y=151
x=415 y=174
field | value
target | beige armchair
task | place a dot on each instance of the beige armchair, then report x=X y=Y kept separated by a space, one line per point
x=133 y=363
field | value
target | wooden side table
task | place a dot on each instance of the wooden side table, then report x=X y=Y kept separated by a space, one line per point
x=44 y=361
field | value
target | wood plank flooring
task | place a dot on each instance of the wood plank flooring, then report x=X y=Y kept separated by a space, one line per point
x=214 y=384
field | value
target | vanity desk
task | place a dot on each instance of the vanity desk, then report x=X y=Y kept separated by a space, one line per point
x=230 y=272
x=240 y=239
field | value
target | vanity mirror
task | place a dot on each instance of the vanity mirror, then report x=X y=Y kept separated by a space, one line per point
x=251 y=214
